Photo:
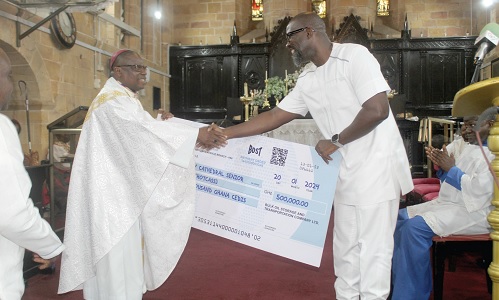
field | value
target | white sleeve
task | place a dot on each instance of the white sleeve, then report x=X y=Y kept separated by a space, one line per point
x=365 y=74
x=20 y=221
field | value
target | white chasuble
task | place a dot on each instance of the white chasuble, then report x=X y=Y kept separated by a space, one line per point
x=122 y=173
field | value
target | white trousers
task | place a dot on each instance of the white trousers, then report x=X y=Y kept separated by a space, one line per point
x=119 y=274
x=363 y=248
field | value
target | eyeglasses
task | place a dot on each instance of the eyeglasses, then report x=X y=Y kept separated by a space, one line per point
x=136 y=68
x=291 y=33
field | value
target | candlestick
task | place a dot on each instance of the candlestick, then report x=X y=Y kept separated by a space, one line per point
x=246 y=101
x=266 y=101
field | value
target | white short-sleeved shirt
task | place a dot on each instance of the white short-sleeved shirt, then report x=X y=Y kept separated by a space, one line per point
x=374 y=166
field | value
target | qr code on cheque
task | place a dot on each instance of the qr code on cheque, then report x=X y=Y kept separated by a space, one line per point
x=279 y=156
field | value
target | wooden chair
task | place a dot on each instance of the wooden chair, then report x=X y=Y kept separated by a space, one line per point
x=446 y=247
x=426 y=131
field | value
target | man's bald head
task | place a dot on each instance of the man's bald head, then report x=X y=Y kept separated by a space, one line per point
x=310 y=19
x=6 y=85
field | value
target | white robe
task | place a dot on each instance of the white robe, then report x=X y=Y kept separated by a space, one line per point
x=465 y=211
x=21 y=226
x=124 y=171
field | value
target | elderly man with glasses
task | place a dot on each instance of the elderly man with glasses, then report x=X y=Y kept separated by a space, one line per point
x=131 y=195
x=343 y=89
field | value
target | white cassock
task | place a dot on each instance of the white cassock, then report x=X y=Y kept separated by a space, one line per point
x=462 y=211
x=129 y=168
x=21 y=226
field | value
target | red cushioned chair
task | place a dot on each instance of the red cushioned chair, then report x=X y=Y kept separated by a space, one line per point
x=431 y=180
x=430 y=196
x=422 y=187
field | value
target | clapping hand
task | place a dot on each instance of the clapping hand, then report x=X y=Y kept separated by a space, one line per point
x=441 y=157
x=211 y=137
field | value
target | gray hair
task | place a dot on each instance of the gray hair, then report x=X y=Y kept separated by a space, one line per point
x=487 y=115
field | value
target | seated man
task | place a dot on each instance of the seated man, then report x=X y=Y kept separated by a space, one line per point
x=462 y=206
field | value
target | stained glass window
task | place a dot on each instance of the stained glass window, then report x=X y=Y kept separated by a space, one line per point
x=319 y=7
x=256 y=10
x=383 y=7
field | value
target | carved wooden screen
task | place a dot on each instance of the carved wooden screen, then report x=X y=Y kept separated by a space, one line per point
x=350 y=31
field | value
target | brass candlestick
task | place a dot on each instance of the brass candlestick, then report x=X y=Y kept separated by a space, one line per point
x=266 y=101
x=246 y=100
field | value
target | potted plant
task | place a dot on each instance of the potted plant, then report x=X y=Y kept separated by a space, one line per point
x=275 y=87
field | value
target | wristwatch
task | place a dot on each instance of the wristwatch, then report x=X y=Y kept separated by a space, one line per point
x=335 y=139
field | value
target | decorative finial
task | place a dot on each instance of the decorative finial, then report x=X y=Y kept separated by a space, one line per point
x=234 y=29
x=406 y=32
x=234 y=38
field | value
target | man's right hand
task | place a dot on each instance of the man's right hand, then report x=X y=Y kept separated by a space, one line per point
x=211 y=137
x=441 y=157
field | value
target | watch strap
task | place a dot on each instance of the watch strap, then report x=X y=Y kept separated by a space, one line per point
x=335 y=139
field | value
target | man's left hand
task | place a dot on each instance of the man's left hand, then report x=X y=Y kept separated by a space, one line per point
x=44 y=263
x=165 y=115
x=325 y=148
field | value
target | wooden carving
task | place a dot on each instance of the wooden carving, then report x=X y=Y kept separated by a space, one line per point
x=350 y=31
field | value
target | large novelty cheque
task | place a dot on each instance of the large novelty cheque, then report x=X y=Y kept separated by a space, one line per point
x=266 y=193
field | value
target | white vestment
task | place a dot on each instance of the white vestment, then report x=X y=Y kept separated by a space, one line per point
x=462 y=211
x=21 y=226
x=126 y=170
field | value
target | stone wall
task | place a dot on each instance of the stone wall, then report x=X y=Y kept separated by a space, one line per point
x=59 y=79
x=206 y=22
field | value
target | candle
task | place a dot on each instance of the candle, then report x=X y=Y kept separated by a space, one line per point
x=265 y=74
x=245 y=89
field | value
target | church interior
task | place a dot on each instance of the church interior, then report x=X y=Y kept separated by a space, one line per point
x=224 y=61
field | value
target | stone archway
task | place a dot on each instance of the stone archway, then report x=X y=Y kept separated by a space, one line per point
x=28 y=66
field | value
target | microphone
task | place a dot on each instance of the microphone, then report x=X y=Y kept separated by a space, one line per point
x=487 y=40
x=488 y=114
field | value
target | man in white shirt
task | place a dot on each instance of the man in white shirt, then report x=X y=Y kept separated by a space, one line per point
x=21 y=226
x=343 y=89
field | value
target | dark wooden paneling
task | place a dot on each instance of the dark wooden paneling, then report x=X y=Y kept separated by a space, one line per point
x=426 y=72
x=203 y=77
